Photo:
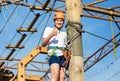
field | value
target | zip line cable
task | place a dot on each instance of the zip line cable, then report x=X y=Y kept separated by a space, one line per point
x=2 y=52
x=9 y=43
x=27 y=35
x=77 y=34
x=2 y=10
x=113 y=76
x=79 y=30
x=31 y=33
x=52 y=6
x=21 y=24
x=103 y=69
x=16 y=32
x=43 y=30
x=25 y=19
x=98 y=36
x=39 y=2
x=42 y=18
x=35 y=66
x=8 y=9
x=8 y=18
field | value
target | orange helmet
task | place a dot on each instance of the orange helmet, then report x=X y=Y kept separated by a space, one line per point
x=59 y=15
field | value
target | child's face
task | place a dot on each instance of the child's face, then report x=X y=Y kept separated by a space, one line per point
x=59 y=23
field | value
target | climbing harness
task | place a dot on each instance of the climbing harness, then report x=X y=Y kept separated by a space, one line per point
x=54 y=48
x=66 y=54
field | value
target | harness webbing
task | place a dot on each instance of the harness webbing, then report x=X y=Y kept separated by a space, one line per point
x=54 y=48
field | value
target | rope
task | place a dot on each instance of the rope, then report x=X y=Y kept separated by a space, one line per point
x=76 y=25
x=99 y=36
x=112 y=29
x=77 y=28
x=8 y=19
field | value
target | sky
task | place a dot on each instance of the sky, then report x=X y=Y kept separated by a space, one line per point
x=13 y=17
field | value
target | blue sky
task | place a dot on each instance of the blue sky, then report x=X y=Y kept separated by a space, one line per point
x=105 y=70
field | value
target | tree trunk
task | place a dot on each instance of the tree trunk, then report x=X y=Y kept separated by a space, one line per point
x=73 y=12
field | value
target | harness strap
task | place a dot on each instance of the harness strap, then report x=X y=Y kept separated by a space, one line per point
x=54 y=48
x=66 y=54
x=52 y=52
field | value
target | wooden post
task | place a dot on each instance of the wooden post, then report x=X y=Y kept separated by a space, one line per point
x=73 y=12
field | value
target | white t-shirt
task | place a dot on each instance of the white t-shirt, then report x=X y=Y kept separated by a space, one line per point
x=59 y=40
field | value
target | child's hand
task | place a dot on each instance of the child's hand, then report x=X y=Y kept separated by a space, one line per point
x=54 y=32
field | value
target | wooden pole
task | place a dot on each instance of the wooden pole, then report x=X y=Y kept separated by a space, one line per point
x=73 y=12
